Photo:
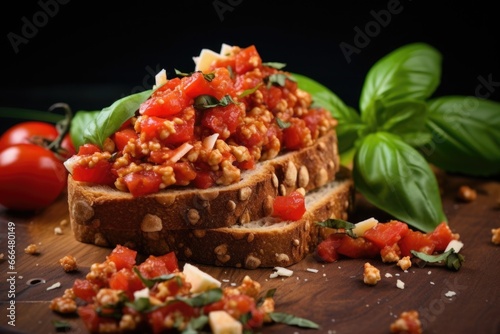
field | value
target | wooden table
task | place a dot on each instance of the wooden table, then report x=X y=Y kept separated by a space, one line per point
x=335 y=297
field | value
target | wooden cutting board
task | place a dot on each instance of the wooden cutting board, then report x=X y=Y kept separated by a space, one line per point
x=335 y=296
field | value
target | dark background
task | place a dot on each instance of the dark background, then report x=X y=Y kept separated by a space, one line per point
x=88 y=54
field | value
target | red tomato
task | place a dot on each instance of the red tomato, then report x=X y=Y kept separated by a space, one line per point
x=169 y=102
x=441 y=236
x=122 y=137
x=293 y=136
x=358 y=248
x=123 y=257
x=155 y=266
x=326 y=249
x=31 y=177
x=416 y=240
x=84 y=290
x=203 y=180
x=247 y=59
x=195 y=85
x=28 y=132
x=289 y=207
x=386 y=234
x=100 y=173
x=127 y=281
x=143 y=182
x=89 y=317
x=222 y=120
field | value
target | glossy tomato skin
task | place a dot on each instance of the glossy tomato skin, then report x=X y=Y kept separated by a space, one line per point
x=27 y=132
x=31 y=177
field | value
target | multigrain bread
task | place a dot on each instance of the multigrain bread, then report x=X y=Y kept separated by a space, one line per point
x=250 y=199
x=265 y=242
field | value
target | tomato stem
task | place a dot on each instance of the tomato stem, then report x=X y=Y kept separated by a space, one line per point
x=62 y=127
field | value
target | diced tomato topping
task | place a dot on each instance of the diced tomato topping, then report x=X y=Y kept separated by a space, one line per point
x=415 y=240
x=143 y=182
x=100 y=173
x=293 y=136
x=441 y=236
x=184 y=173
x=289 y=207
x=123 y=257
x=388 y=233
x=122 y=137
x=247 y=59
x=156 y=318
x=183 y=132
x=203 y=180
x=223 y=120
x=84 y=290
x=273 y=96
x=326 y=250
x=165 y=103
x=155 y=266
x=89 y=317
x=357 y=248
x=88 y=149
x=126 y=280
x=195 y=85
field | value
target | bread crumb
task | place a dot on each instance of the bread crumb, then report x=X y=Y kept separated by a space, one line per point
x=400 y=284
x=312 y=270
x=466 y=194
x=68 y=263
x=63 y=305
x=450 y=294
x=408 y=322
x=57 y=230
x=495 y=237
x=388 y=275
x=404 y=263
x=371 y=275
x=63 y=222
x=31 y=249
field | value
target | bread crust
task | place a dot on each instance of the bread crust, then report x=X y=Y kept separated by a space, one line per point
x=250 y=246
x=97 y=207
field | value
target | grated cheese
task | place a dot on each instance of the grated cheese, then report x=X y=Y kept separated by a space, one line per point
x=400 y=284
x=54 y=286
x=312 y=270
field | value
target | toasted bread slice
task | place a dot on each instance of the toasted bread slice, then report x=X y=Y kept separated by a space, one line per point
x=265 y=242
x=99 y=207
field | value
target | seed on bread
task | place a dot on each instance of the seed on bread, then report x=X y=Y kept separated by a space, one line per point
x=83 y=210
x=303 y=177
x=193 y=216
x=282 y=190
x=245 y=217
x=252 y=262
x=290 y=174
x=268 y=205
x=321 y=177
x=209 y=195
x=250 y=237
x=151 y=223
x=199 y=233
x=244 y=193
x=221 y=249
x=230 y=205
x=276 y=182
x=282 y=258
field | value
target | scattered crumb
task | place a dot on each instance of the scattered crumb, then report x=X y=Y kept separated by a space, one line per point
x=281 y=271
x=58 y=230
x=429 y=272
x=371 y=275
x=404 y=263
x=312 y=270
x=495 y=237
x=68 y=263
x=408 y=322
x=1 y=256
x=466 y=194
x=400 y=284
x=54 y=286
x=450 y=294
x=388 y=275
x=432 y=283
x=31 y=249
x=64 y=222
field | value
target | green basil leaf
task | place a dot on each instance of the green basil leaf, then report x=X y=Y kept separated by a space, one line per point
x=349 y=121
x=409 y=72
x=202 y=299
x=275 y=65
x=109 y=119
x=339 y=224
x=465 y=135
x=289 y=319
x=396 y=178
x=150 y=282
x=406 y=118
x=79 y=124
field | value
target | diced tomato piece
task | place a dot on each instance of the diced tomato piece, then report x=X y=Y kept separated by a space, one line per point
x=415 y=240
x=289 y=207
x=122 y=137
x=357 y=248
x=155 y=266
x=195 y=85
x=386 y=234
x=100 y=173
x=126 y=280
x=89 y=317
x=84 y=290
x=273 y=96
x=313 y=118
x=123 y=257
x=169 y=102
x=293 y=136
x=168 y=86
x=88 y=149
x=184 y=173
x=150 y=127
x=247 y=59
x=143 y=182
x=222 y=120
x=183 y=132
x=178 y=309
x=245 y=165
x=203 y=179
x=441 y=236
x=326 y=249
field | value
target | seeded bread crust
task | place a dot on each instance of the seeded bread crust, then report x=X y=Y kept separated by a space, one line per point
x=263 y=243
x=102 y=208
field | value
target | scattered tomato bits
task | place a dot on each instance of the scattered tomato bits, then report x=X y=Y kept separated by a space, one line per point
x=407 y=323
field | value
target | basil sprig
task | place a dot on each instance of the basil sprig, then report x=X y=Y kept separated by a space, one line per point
x=399 y=130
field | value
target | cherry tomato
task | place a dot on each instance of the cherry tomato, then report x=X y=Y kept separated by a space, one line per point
x=27 y=132
x=31 y=177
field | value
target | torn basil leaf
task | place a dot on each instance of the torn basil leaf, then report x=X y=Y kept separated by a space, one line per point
x=282 y=124
x=275 y=65
x=289 y=319
x=340 y=225
x=451 y=259
x=277 y=79
x=150 y=282
x=207 y=101
x=249 y=91
x=202 y=299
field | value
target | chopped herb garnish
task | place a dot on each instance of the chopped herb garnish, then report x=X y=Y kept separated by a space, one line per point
x=275 y=65
x=282 y=124
x=277 y=79
x=208 y=76
x=340 y=225
x=249 y=91
x=202 y=299
x=150 y=282
x=61 y=326
x=206 y=101
x=451 y=259
x=289 y=319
